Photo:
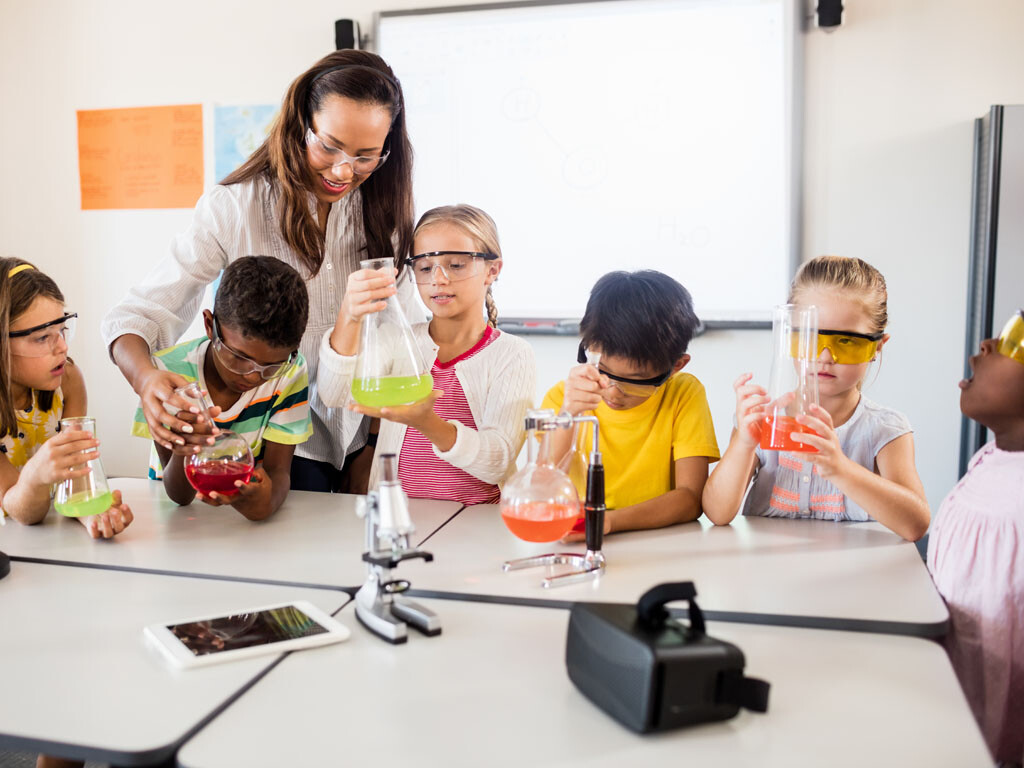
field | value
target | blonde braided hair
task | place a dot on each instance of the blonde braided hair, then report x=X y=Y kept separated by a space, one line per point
x=479 y=227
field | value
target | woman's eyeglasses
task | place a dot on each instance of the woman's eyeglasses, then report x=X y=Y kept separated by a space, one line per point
x=327 y=156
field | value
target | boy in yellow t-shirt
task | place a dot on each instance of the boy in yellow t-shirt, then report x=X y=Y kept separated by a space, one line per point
x=656 y=435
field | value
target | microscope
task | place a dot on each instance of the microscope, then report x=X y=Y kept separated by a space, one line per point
x=379 y=605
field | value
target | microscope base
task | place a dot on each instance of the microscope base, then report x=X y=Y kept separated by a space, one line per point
x=586 y=566
x=389 y=616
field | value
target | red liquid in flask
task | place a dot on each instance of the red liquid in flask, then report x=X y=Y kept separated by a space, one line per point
x=540 y=520
x=775 y=432
x=219 y=476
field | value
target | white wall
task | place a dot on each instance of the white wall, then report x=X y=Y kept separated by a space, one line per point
x=890 y=100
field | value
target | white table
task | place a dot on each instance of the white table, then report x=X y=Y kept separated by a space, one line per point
x=492 y=690
x=795 y=572
x=314 y=539
x=77 y=678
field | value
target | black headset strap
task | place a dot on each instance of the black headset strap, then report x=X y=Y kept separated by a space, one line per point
x=747 y=692
x=650 y=609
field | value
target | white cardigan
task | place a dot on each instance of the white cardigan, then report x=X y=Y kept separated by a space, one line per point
x=498 y=382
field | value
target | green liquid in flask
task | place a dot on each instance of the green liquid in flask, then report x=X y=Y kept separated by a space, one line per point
x=385 y=391
x=86 y=504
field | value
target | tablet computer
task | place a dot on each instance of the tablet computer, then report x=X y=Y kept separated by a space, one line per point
x=271 y=629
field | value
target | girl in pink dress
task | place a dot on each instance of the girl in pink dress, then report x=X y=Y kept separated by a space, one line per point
x=976 y=548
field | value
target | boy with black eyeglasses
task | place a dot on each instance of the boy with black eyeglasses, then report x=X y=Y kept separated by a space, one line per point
x=656 y=434
x=256 y=379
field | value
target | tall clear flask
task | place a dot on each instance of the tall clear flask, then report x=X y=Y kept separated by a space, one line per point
x=389 y=367
x=793 y=384
x=539 y=502
x=89 y=494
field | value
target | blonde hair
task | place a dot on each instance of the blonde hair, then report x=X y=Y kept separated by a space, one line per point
x=480 y=228
x=848 y=275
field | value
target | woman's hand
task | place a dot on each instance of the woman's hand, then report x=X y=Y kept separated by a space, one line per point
x=583 y=389
x=830 y=459
x=111 y=522
x=365 y=293
x=750 y=406
x=156 y=388
x=56 y=458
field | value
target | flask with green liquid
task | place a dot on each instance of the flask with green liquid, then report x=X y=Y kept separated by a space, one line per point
x=389 y=367
x=87 y=495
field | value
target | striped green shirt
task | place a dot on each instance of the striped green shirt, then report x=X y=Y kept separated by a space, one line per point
x=275 y=411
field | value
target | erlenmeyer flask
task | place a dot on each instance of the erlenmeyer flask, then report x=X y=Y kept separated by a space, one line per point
x=216 y=467
x=793 y=385
x=389 y=367
x=87 y=495
x=539 y=502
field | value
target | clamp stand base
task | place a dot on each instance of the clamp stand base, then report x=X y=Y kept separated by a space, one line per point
x=586 y=566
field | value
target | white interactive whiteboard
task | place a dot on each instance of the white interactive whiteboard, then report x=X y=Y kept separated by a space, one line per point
x=619 y=134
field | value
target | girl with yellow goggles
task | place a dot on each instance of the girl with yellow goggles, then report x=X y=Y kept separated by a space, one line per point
x=846 y=347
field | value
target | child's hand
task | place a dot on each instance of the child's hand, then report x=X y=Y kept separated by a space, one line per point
x=583 y=389
x=750 y=403
x=53 y=461
x=252 y=495
x=412 y=415
x=830 y=459
x=111 y=522
x=575 y=535
x=365 y=293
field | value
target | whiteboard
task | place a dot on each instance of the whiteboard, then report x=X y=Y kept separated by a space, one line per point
x=621 y=134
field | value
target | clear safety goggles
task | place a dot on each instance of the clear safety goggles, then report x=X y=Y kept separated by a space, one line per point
x=846 y=347
x=454 y=265
x=244 y=365
x=327 y=156
x=1011 y=340
x=628 y=387
x=44 y=339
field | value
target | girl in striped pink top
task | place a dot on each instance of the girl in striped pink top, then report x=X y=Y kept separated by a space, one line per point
x=461 y=441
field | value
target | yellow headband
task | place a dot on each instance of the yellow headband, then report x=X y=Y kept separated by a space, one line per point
x=19 y=268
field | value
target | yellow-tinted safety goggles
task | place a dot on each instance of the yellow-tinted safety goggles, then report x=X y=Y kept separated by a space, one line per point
x=846 y=347
x=1011 y=340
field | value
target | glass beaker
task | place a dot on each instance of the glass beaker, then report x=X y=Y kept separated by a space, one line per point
x=87 y=495
x=216 y=467
x=389 y=367
x=793 y=384
x=539 y=502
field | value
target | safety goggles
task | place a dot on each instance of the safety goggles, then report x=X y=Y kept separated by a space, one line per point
x=627 y=386
x=846 y=347
x=44 y=339
x=1011 y=340
x=327 y=156
x=454 y=265
x=244 y=365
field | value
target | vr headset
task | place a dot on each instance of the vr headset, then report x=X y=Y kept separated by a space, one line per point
x=653 y=673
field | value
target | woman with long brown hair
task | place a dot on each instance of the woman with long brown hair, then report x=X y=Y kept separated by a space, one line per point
x=331 y=185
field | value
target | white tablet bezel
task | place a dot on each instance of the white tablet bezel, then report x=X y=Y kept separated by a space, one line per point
x=179 y=654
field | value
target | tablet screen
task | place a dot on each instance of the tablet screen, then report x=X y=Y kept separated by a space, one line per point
x=244 y=630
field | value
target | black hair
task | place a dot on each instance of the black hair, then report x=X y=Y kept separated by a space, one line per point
x=262 y=297
x=645 y=316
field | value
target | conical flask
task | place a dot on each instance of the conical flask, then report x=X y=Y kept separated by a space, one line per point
x=793 y=384
x=539 y=502
x=87 y=495
x=216 y=467
x=389 y=367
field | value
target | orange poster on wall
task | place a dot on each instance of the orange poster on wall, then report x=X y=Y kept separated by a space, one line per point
x=146 y=157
